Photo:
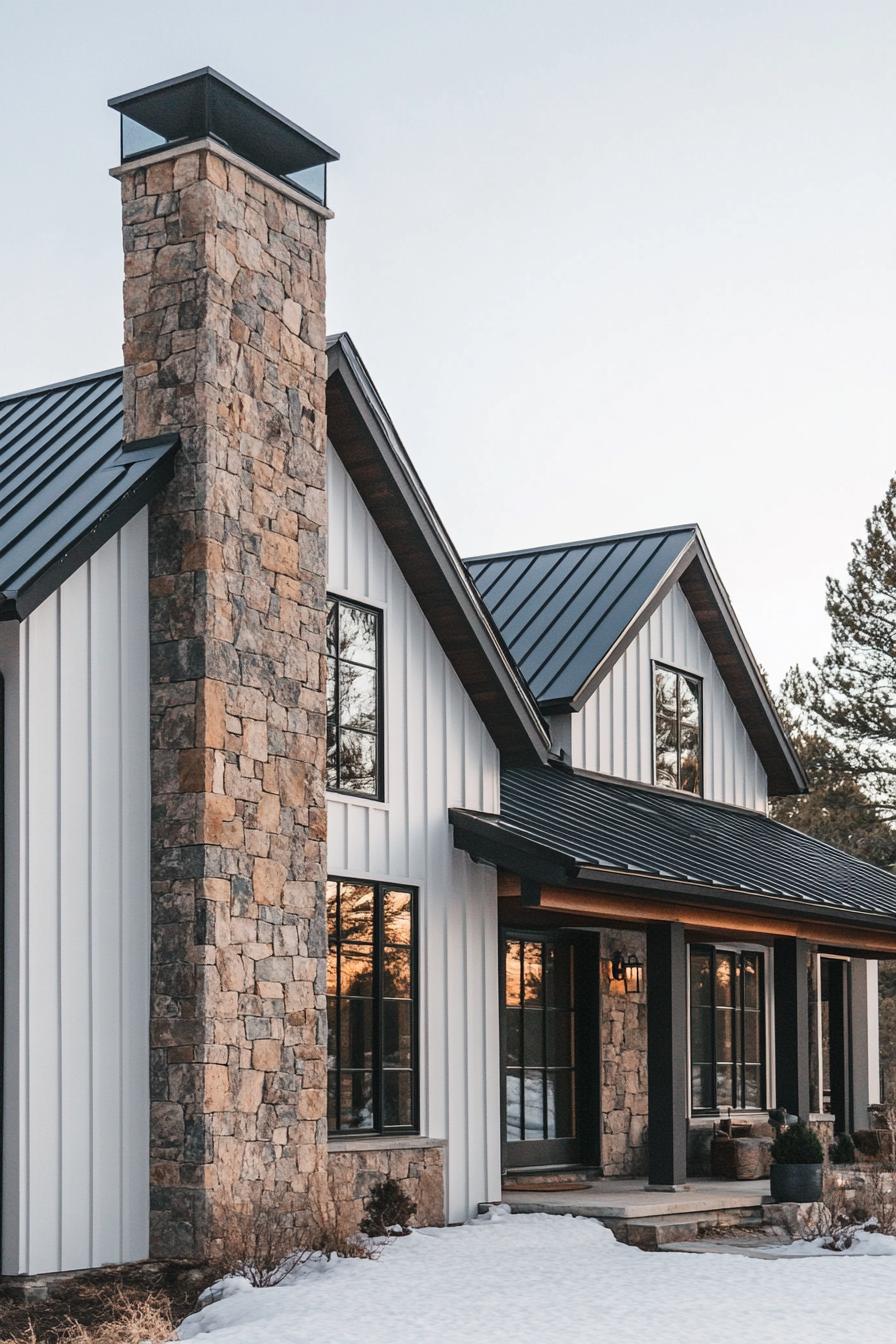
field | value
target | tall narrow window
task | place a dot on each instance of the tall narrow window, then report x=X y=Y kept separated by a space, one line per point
x=727 y=1029
x=354 y=719
x=679 y=731
x=371 y=1009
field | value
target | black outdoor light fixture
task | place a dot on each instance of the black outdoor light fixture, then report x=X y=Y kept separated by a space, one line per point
x=203 y=105
x=629 y=970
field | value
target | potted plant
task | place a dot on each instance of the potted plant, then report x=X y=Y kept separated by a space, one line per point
x=797 y=1159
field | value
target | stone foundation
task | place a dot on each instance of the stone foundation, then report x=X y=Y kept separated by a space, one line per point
x=860 y=1185
x=623 y=1028
x=417 y=1165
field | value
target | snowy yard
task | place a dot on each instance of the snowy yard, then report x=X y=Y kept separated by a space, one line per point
x=535 y=1277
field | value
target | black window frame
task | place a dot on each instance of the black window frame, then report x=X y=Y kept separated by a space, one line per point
x=378 y=1068
x=739 y=1061
x=565 y=1149
x=379 y=794
x=679 y=673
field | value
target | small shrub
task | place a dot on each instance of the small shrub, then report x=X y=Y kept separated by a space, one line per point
x=259 y=1245
x=842 y=1151
x=879 y=1203
x=798 y=1146
x=387 y=1211
x=839 y=1216
x=264 y=1244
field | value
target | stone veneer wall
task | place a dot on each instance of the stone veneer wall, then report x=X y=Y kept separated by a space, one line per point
x=418 y=1166
x=623 y=1019
x=225 y=342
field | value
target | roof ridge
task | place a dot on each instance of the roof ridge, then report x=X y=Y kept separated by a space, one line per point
x=589 y=541
x=659 y=790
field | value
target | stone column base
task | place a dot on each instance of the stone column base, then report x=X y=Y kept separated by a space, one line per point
x=355 y=1165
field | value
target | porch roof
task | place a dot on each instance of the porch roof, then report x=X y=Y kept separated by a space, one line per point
x=562 y=826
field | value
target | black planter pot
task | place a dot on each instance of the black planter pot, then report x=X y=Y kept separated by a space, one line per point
x=797 y=1183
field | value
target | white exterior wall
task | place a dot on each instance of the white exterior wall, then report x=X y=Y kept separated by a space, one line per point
x=438 y=755
x=77 y=918
x=613 y=732
x=865 y=1039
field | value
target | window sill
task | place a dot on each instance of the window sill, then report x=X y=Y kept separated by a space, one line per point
x=375 y=804
x=376 y=1143
x=713 y=1117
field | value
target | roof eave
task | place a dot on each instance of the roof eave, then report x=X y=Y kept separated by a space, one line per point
x=785 y=774
x=490 y=841
x=18 y=603
x=508 y=708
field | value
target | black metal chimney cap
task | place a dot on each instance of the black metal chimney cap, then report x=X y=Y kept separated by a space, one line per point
x=205 y=104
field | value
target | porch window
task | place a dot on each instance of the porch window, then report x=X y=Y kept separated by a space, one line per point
x=727 y=1029
x=679 y=730
x=371 y=1008
x=354 y=700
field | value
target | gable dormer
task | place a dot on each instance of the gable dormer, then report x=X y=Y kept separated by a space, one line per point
x=631 y=646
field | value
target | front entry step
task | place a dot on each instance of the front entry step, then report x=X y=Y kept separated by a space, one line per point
x=612 y=1199
x=653 y=1233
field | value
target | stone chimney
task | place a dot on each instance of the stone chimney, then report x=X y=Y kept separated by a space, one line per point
x=224 y=341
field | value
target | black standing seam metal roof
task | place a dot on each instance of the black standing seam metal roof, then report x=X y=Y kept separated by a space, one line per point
x=593 y=826
x=67 y=482
x=562 y=608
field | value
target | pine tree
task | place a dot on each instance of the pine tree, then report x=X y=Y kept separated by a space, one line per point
x=842 y=717
x=836 y=810
x=849 y=696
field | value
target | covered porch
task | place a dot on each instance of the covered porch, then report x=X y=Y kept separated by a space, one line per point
x=708 y=965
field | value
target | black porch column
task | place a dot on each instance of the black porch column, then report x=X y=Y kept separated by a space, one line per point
x=667 y=1061
x=792 y=1025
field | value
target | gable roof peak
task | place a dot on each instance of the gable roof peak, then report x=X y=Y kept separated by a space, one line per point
x=585 y=543
x=568 y=612
x=563 y=610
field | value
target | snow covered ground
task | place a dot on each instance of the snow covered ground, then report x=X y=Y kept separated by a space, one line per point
x=534 y=1278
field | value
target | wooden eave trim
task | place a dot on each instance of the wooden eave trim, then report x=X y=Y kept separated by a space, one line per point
x=741 y=675
x=497 y=692
x=634 y=908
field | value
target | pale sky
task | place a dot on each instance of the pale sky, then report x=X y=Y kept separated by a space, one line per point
x=611 y=265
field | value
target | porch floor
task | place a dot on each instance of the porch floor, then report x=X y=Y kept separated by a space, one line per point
x=625 y=1197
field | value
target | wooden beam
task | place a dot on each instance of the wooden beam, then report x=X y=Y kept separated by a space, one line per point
x=623 y=908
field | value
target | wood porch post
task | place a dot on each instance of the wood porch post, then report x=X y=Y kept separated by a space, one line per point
x=791 y=977
x=667 y=1062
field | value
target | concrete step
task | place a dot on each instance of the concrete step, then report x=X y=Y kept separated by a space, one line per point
x=652 y=1233
x=614 y=1199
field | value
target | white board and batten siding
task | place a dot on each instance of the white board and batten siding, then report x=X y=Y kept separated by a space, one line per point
x=613 y=733
x=438 y=755
x=77 y=917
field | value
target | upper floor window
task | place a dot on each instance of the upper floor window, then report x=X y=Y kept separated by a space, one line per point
x=371 y=1009
x=679 y=730
x=354 y=702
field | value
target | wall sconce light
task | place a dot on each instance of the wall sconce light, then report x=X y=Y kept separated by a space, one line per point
x=628 y=971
